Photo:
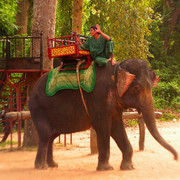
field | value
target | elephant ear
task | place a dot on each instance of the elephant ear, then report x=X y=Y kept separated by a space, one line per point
x=123 y=81
x=156 y=80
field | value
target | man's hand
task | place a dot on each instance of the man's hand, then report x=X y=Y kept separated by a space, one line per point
x=79 y=41
x=98 y=30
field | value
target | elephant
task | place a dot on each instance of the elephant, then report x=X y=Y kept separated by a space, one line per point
x=114 y=91
x=6 y=131
x=6 y=125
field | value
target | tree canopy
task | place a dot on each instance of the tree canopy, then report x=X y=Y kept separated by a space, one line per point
x=8 y=9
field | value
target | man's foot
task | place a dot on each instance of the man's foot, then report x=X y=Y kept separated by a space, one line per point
x=113 y=62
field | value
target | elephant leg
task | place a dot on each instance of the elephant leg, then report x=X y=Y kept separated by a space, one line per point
x=41 y=157
x=103 y=140
x=6 y=134
x=118 y=133
x=44 y=133
x=7 y=129
x=50 y=161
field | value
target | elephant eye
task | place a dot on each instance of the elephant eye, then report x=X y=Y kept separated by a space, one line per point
x=136 y=89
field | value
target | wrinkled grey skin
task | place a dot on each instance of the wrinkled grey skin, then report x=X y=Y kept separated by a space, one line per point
x=65 y=113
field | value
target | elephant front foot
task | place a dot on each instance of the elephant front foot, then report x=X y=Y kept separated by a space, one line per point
x=126 y=165
x=52 y=164
x=104 y=167
x=41 y=165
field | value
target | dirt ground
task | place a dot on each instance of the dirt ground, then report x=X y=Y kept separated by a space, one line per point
x=75 y=161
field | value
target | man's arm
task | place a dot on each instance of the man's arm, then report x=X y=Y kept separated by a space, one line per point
x=80 y=43
x=98 y=30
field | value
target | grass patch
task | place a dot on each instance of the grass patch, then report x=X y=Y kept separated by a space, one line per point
x=6 y=143
x=131 y=122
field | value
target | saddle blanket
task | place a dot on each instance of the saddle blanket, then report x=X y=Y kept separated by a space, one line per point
x=68 y=79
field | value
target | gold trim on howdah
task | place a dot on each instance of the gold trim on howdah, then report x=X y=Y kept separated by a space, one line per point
x=62 y=51
x=84 y=52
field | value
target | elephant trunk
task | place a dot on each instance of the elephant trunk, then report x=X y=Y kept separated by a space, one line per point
x=149 y=118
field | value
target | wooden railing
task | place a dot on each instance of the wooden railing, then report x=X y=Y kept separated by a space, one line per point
x=20 y=48
x=25 y=115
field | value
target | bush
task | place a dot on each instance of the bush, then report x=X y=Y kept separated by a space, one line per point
x=176 y=104
x=167 y=117
x=167 y=95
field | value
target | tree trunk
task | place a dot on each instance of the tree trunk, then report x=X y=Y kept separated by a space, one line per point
x=30 y=133
x=77 y=16
x=22 y=22
x=22 y=16
x=44 y=16
x=172 y=22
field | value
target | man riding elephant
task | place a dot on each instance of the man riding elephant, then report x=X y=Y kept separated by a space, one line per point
x=100 y=46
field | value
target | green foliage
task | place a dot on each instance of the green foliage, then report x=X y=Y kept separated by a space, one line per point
x=165 y=63
x=64 y=18
x=168 y=117
x=130 y=122
x=126 y=22
x=7 y=17
x=129 y=29
x=166 y=95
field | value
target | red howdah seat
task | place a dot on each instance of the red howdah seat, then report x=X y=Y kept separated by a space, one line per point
x=67 y=49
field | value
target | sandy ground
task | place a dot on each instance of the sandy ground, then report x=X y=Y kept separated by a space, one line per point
x=75 y=161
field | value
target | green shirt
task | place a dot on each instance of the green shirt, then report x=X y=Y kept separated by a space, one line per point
x=100 y=49
x=96 y=46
